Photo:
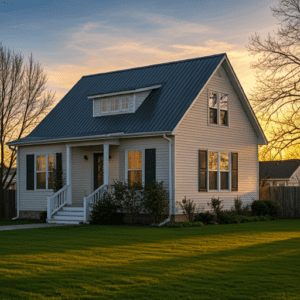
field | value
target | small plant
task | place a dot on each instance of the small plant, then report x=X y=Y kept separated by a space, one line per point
x=189 y=208
x=104 y=211
x=204 y=217
x=238 y=203
x=155 y=201
x=187 y=224
x=174 y=225
x=43 y=216
x=197 y=224
x=215 y=204
x=224 y=218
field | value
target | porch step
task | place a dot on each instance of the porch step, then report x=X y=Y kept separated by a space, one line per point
x=72 y=208
x=70 y=213
x=78 y=218
x=63 y=222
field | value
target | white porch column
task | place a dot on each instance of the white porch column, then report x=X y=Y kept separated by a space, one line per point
x=69 y=174
x=105 y=163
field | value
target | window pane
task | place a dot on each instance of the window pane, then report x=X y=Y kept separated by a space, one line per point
x=104 y=105
x=125 y=103
x=224 y=161
x=213 y=160
x=213 y=116
x=213 y=100
x=115 y=104
x=41 y=162
x=213 y=176
x=134 y=160
x=224 y=180
x=134 y=177
x=223 y=117
x=224 y=102
x=41 y=180
x=50 y=180
x=50 y=162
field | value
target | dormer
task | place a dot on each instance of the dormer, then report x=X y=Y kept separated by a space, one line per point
x=122 y=102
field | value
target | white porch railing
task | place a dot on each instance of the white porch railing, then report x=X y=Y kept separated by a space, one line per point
x=92 y=199
x=57 y=201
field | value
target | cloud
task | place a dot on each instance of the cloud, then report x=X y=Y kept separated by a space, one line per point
x=101 y=46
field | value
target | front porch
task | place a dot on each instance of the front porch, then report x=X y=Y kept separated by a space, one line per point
x=89 y=170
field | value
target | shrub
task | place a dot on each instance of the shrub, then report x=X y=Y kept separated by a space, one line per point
x=189 y=208
x=204 y=217
x=128 y=198
x=260 y=208
x=266 y=208
x=224 y=218
x=43 y=216
x=155 y=201
x=246 y=211
x=197 y=224
x=104 y=210
x=238 y=203
x=174 y=225
x=215 y=204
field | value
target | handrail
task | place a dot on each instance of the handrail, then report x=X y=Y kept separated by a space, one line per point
x=92 y=198
x=57 y=201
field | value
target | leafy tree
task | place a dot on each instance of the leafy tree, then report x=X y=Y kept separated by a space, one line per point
x=24 y=101
x=276 y=96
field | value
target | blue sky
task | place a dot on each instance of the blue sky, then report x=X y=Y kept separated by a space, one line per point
x=75 y=38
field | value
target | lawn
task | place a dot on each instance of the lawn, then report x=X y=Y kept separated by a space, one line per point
x=17 y=222
x=239 y=261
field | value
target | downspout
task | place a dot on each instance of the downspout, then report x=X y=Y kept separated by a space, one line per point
x=170 y=182
x=18 y=182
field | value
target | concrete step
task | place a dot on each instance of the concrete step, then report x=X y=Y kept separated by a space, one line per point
x=69 y=213
x=67 y=218
x=63 y=222
x=72 y=208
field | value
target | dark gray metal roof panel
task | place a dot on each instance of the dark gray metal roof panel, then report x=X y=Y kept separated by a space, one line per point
x=161 y=111
x=278 y=169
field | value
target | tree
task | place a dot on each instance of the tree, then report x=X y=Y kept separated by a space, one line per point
x=24 y=101
x=276 y=97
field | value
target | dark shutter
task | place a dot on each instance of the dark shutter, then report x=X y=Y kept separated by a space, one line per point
x=234 y=172
x=30 y=172
x=58 y=175
x=150 y=166
x=202 y=171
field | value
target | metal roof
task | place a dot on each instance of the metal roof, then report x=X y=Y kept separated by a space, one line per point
x=180 y=82
x=281 y=169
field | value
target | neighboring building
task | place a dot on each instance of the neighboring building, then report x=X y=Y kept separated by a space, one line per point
x=280 y=173
x=187 y=123
x=11 y=173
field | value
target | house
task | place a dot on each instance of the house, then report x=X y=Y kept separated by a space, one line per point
x=187 y=123
x=280 y=173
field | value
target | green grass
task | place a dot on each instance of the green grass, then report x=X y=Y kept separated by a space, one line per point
x=241 y=261
x=17 y=222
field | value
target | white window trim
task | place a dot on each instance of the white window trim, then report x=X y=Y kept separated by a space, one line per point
x=219 y=172
x=47 y=172
x=218 y=109
x=143 y=164
x=121 y=101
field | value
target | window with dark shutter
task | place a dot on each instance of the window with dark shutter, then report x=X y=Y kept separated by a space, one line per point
x=150 y=166
x=30 y=172
x=202 y=171
x=234 y=169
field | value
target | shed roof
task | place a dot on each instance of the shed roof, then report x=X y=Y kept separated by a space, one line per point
x=282 y=169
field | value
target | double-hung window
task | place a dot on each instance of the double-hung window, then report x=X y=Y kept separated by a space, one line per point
x=125 y=103
x=218 y=171
x=114 y=104
x=218 y=108
x=45 y=171
x=135 y=167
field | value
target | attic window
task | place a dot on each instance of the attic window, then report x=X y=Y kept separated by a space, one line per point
x=125 y=103
x=104 y=108
x=114 y=105
x=218 y=108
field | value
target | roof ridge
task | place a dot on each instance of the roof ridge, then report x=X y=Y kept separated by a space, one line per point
x=156 y=65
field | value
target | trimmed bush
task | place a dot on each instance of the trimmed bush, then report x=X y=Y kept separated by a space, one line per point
x=43 y=216
x=204 y=217
x=197 y=224
x=266 y=208
x=174 y=225
x=224 y=218
x=105 y=211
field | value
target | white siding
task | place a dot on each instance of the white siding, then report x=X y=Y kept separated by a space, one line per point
x=36 y=200
x=140 y=97
x=295 y=178
x=194 y=133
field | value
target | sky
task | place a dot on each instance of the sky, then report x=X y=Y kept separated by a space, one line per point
x=75 y=38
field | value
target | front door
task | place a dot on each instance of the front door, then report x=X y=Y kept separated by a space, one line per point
x=98 y=170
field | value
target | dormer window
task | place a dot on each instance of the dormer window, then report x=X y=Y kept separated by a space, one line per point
x=125 y=103
x=104 y=108
x=114 y=104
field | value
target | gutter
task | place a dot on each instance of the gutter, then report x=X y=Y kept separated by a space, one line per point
x=170 y=182
x=17 y=183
